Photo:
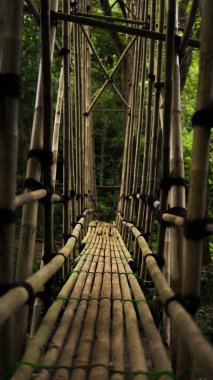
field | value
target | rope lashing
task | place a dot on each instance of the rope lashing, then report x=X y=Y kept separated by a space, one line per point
x=191 y=303
x=7 y=216
x=4 y=288
x=203 y=118
x=10 y=85
x=167 y=182
x=109 y=368
x=99 y=299
x=160 y=260
x=196 y=229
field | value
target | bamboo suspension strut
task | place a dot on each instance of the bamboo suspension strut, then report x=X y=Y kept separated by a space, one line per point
x=10 y=52
x=108 y=80
x=199 y=171
x=101 y=64
x=29 y=212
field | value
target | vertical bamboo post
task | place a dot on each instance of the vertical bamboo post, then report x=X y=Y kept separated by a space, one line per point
x=202 y=122
x=30 y=211
x=151 y=79
x=170 y=39
x=47 y=126
x=10 y=51
x=78 y=113
x=155 y=122
x=67 y=127
x=56 y=127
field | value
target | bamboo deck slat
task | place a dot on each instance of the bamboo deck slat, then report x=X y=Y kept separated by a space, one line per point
x=99 y=332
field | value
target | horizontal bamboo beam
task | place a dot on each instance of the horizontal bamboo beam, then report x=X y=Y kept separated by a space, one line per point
x=113 y=19
x=36 y=195
x=18 y=296
x=119 y=28
x=198 y=346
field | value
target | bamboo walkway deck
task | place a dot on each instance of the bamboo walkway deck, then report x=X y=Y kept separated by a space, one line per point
x=100 y=334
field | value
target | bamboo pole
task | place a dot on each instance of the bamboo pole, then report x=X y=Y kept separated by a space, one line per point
x=66 y=132
x=10 y=51
x=18 y=296
x=147 y=141
x=119 y=28
x=155 y=121
x=188 y=28
x=78 y=114
x=35 y=12
x=29 y=212
x=198 y=173
x=47 y=134
x=56 y=127
x=171 y=17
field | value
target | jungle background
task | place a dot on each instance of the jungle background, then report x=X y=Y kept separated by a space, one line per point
x=109 y=127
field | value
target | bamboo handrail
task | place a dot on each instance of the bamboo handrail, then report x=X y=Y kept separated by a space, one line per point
x=197 y=345
x=17 y=297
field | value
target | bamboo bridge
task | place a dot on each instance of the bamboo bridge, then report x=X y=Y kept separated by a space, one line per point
x=105 y=305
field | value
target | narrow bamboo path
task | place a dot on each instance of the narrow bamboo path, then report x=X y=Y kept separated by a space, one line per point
x=101 y=334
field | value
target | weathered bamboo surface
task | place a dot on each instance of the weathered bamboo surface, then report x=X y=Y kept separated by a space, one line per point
x=99 y=326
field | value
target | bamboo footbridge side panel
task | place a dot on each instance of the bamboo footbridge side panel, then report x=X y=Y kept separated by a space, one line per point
x=106 y=330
